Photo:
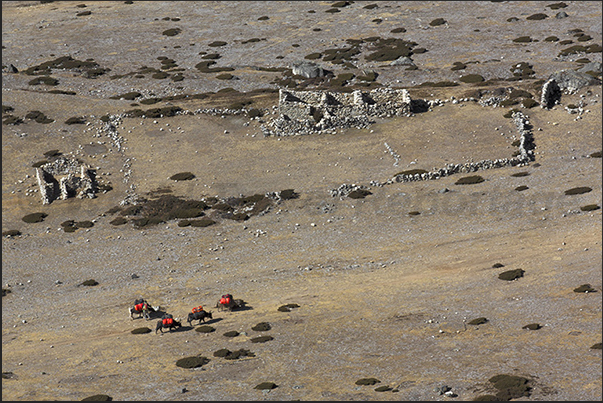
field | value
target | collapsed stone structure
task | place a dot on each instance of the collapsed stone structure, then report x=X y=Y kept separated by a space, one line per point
x=64 y=178
x=308 y=112
x=524 y=156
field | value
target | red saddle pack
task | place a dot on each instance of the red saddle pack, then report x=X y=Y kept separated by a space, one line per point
x=138 y=307
x=168 y=322
x=197 y=309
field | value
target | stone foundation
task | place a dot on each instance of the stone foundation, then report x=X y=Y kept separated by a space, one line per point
x=65 y=178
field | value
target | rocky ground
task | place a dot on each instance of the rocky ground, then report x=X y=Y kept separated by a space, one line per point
x=382 y=293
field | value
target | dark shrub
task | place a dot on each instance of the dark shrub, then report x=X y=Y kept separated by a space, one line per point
x=383 y=389
x=141 y=330
x=266 y=386
x=520 y=174
x=578 y=190
x=359 y=194
x=529 y=103
x=477 y=321
x=263 y=18
x=217 y=44
x=597 y=346
x=510 y=386
x=172 y=32
x=11 y=232
x=118 y=221
x=585 y=288
x=522 y=39
x=130 y=96
x=551 y=39
x=556 y=6
x=532 y=326
x=398 y=30
x=521 y=188
x=437 y=21
x=232 y=333
x=84 y=224
x=261 y=339
x=34 y=217
x=75 y=121
x=83 y=13
x=204 y=222
x=182 y=176
x=497 y=265
x=537 y=16
x=287 y=307
x=413 y=213
x=90 y=283
x=511 y=275
x=471 y=78
x=590 y=207
x=288 y=194
x=192 y=362
x=225 y=76
x=44 y=80
x=469 y=180
x=262 y=327
x=205 y=329
x=367 y=381
x=97 y=398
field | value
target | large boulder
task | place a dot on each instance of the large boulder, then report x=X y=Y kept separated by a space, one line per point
x=307 y=69
x=571 y=81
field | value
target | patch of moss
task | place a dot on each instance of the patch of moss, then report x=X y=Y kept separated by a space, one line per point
x=262 y=327
x=90 y=283
x=11 y=232
x=367 y=381
x=497 y=265
x=566 y=42
x=596 y=346
x=97 y=398
x=437 y=21
x=509 y=102
x=532 y=326
x=584 y=38
x=590 y=207
x=182 y=176
x=34 y=217
x=478 y=321
x=141 y=330
x=521 y=188
x=383 y=389
x=192 y=362
x=261 y=339
x=572 y=50
x=596 y=154
x=517 y=93
x=537 y=16
x=216 y=44
x=359 y=194
x=232 y=333
x=578 y=190
x=398 y=30
x=471 y=78
x=266 y=386
x=332 y=10
x=584 y=288
x=511 y=275
x=469 y=180
x=370 y=6
x=204 y=222
x=551 y=39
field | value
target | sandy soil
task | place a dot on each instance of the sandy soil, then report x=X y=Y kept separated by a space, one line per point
x=381 y=293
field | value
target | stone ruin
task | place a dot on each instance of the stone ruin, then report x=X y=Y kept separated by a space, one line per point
x=64 y=178
x=308 y=112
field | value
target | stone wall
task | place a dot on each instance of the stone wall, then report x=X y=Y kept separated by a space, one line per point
x=64 y=178
x=307 y=112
